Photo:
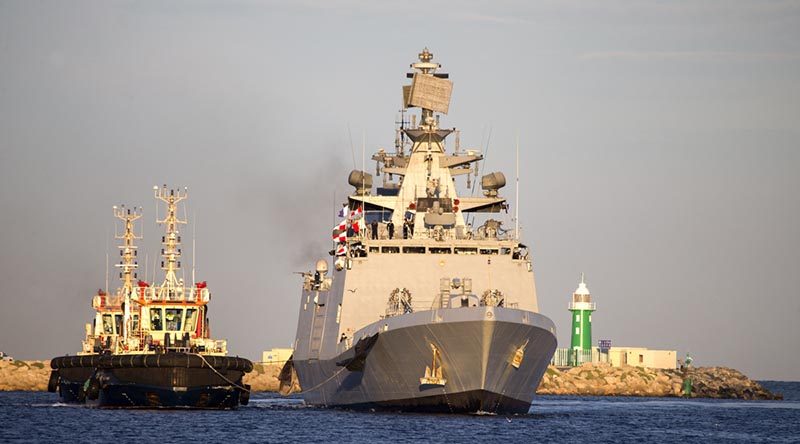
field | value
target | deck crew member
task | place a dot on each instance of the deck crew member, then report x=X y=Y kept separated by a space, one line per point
x=390 y=228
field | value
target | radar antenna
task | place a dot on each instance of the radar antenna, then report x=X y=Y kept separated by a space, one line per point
x=429 y=90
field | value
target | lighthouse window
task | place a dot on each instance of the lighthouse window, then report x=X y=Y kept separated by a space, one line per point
x=191 y=319
x=577 y=318
x=577 y=330
x=155 y=319
x=174 y=318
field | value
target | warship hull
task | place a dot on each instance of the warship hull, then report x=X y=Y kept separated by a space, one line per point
x=477 y=348
x=174 y=380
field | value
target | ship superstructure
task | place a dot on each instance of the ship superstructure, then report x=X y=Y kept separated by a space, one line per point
x=423 y=311
x=150 y=346
x=141 y=317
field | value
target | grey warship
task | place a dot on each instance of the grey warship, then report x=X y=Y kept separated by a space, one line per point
x=419 y=311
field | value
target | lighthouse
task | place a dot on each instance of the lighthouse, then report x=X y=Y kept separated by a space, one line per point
x=581 y=308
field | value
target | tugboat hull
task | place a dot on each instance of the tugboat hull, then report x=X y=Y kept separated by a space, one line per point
x=173 y=380
x=477 y=349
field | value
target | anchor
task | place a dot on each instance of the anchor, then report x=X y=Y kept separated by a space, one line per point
x=433 y=374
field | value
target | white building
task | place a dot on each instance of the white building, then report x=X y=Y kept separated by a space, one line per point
x=276 y=356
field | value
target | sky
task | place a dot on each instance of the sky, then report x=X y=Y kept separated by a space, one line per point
x=659 y=148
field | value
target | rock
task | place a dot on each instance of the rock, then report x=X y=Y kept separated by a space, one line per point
x=708 y=382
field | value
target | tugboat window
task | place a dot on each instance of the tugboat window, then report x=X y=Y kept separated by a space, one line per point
x=174 y=317
x=135 y=322
x=118 y=323
x=155 y=319
x=108 y=325
x=191 y=319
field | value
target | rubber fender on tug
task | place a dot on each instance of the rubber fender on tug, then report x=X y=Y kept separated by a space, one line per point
x=52 y=383
x=164 y=360
x=92 y=388
x=81 y=396
x=244 y=395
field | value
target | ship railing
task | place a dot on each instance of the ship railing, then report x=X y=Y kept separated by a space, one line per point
x=178 y=294
x=427 y=305
x=570 y=357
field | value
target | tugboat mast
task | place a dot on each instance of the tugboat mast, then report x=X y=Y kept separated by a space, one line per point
x=171 y=288
x=128 y=262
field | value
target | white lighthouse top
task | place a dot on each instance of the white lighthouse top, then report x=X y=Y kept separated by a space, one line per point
x=582 y=299
x=582 y=288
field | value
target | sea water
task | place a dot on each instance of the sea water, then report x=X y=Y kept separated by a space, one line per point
x=39 y=417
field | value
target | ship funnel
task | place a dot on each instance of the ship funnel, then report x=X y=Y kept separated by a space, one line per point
x=362 y=181
x=493 y=182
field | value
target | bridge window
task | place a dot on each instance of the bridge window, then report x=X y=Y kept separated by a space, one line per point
x=374 y=250
x=462 y=250
x=108 y=324
x=488 y=251
x=174 y=318
x=156 y=319
x=414 y=250
x=505 y=250
x=390 y=249
x=440 y=250
x=191 y=319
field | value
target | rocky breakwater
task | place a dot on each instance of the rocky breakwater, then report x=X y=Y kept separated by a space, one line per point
x=605 y=380
x=24 y=375
x=263 y=378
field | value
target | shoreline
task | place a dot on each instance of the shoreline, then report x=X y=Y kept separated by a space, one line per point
x=586 y=380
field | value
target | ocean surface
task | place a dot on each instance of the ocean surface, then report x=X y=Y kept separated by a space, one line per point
x=39 y=417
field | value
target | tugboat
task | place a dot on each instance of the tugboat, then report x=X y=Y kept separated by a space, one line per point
x=151 y=346
x=421 y=312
